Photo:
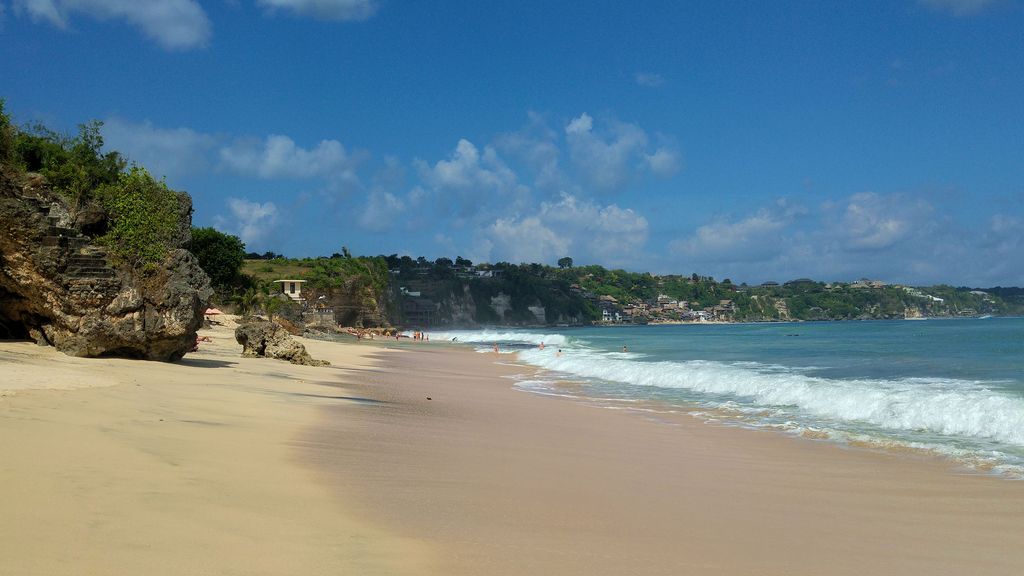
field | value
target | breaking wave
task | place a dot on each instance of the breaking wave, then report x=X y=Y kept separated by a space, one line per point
x=942 y=406
x=499 y=337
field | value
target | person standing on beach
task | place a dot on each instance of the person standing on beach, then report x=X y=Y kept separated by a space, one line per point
x=495 y=348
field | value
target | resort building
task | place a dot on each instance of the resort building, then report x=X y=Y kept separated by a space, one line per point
x=292 y=288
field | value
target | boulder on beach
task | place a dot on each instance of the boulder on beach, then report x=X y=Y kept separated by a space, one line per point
x=262 y=338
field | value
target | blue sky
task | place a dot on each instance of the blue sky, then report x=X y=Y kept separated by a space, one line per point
x=749 y=140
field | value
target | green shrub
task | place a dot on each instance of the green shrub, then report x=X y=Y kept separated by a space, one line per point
x=143 y=218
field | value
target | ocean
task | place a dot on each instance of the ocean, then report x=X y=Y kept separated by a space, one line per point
x=949 y=387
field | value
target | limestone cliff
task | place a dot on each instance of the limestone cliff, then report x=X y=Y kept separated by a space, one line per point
x=59 y=287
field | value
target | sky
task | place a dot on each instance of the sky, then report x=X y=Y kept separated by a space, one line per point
x=754 y=141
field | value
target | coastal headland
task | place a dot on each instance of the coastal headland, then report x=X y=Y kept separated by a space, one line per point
x=419 y=458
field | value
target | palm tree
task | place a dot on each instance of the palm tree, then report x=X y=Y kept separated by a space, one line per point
x=247 y=302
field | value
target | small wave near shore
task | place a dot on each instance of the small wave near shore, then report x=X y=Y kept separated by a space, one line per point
x=976 y=422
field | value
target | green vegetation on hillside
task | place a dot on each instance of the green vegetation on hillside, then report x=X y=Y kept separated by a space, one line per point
x=126 y=209
x=459 y=292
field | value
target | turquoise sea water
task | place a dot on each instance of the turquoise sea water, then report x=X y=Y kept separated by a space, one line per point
x=954 y=387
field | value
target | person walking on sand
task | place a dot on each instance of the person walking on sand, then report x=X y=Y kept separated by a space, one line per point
x=496 y=349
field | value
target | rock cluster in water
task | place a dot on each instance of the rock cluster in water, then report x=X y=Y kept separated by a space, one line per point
x=60 y=288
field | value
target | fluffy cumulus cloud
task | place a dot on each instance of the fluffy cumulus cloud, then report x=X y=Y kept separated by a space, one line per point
x=467 y=168
x=174 y=24
x=530 y=194
x=324 y=9
x=536 y=146
x=470 y=180
x=525 y=240
x=384 y=205
x=251 y=221
x=278 y=156
x=893 y=237
x=872 y=221
x=611 y=158
x=570 y=226
x=170 y=152
x=382 y=209
x=663 y=162
x=745 y=239
x=959 y=7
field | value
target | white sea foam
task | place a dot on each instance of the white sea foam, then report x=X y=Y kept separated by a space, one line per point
x=949 y=407
x=497 y=337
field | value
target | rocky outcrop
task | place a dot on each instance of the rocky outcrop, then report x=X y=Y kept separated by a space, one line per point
x=58 y=287
x=262 y=338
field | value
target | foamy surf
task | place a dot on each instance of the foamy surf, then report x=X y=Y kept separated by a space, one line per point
x=500 y=337
x=977 y=422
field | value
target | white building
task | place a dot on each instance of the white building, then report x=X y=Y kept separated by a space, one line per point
x=293 y=288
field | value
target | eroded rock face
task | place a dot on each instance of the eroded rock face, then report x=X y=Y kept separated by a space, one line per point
x=59 y=288
x=262 y=338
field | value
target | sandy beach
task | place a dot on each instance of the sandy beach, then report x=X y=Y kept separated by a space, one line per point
x=427 y=460
x=118 y=467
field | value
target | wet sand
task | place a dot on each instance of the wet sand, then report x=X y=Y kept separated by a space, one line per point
x=500 y=481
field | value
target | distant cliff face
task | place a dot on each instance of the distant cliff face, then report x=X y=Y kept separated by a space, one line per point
x=59 y=287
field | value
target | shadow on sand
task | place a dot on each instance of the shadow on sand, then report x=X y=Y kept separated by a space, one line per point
x=348 y=398
x=205 y=363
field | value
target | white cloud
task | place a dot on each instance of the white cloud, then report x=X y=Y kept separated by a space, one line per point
x=325 y=9
x=174 y=24
x=171 y=152
x=251 y=221
x=570 y=226
x=872 y=221
x=526 y=240
x=609 y=159
x=536 y=146
x=664 y=162
x=749 y=239
x=467 y=168
x=469 y=182
x=382 y=209
x=1001 y=245
x=959 y=7
x=279 y=157
x=893 y=237
x=649 y=79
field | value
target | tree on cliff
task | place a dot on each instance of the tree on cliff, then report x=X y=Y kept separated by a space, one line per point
x=220 y=255
x=565 y=262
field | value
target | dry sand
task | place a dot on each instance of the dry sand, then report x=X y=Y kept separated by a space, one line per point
x=223 y=465
x=174 y=469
